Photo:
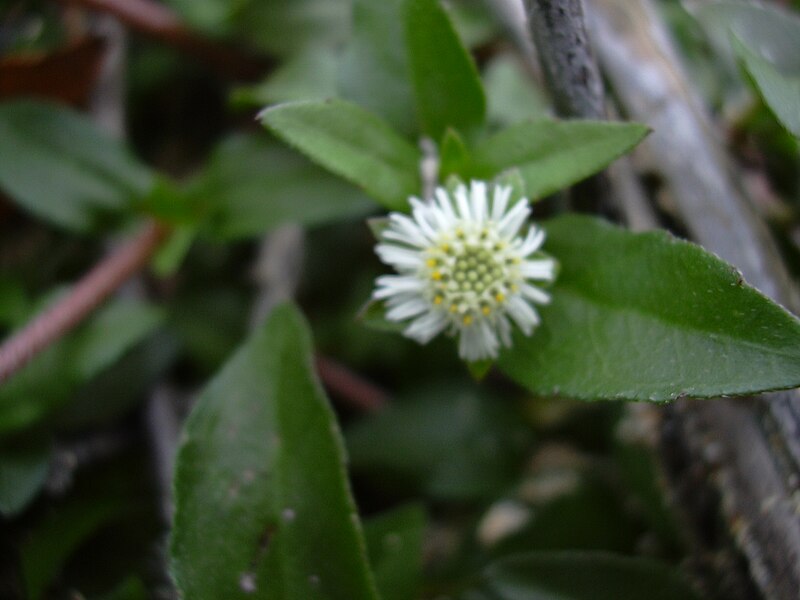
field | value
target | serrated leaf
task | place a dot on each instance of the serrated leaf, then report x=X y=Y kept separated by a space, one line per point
x=650 y=317
x=579 y=576
x=447 y=89
x=552 y=155
x=394 y=542
x=253 y=184
x=262 y=505
x=50 y=380
x=374 y=69
x=352 y=143
x=63 y=168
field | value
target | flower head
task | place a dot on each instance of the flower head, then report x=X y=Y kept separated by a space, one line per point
x=466 y=267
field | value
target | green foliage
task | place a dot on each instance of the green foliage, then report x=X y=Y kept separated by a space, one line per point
x=262 y=502
x=374 y=68
x=64 y=169
x=252 y=185
x=47 y=548
x=511 y=96
x=309 y=75
x=394 y=543
x=51 y=379
x=766 y=40
x=448 y=441
x=552 y=155
x=650 y=317
x=446 y=86
x=23 y=470
x=579 y=576
x=353 y=143
x=780 y=92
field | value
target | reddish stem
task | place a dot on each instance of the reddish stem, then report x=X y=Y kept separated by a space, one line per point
x=83 y=298
x=160 y=23
x=340 y=380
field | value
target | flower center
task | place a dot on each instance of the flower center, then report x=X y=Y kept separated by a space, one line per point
x=470 y=278
x=475 y=270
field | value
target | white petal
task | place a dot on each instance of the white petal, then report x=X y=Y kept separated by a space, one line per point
x=445 y=204
x=504 y=329
x=477 y=342
x=478 y=197
x=404 y=238
x=538 y=269
x=522 y=313
x=463 y=204
x=410 y=308
x=535 y=294
x=501 y=195
x=397 y=284
x=510 y=224
x=423 y=218
x=406 y=225
x=398 y=257
x=426 y=327
x=533 y=241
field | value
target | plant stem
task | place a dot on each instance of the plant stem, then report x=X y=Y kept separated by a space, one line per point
x=85 y=296
x=160 y=23
x=359 y=393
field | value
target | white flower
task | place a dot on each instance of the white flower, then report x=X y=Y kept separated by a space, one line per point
x=464 y=267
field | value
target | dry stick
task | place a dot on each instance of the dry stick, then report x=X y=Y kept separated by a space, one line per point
x=158 y=22
x=573 y=78
x=572 y=75
x=85 y=296
x=746 y=453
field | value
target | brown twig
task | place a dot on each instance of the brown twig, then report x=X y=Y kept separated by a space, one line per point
x=86 y=295
x=158 y=22
x=358 y=392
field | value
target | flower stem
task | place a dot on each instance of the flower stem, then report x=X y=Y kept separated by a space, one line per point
x=85 y=296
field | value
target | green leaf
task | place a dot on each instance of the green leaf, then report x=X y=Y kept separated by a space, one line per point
x=394 y=543
x=445 y=440
x=51 y=379
x=309 y=75
x=352 y=143
x=447 y=88
x=454 y=157
x=511 y=94
x=775 y=32
x=49 y=545
x=61 y=167
x=374 y=68
x=780 y=92
x=552 y=155
x=262 y=506
x=253 y=184
x=650 y=317
x=579 y=576
x=173 y=251
x=130 y=588
x=23 y=471
x=286 y=27
x=513 y=178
